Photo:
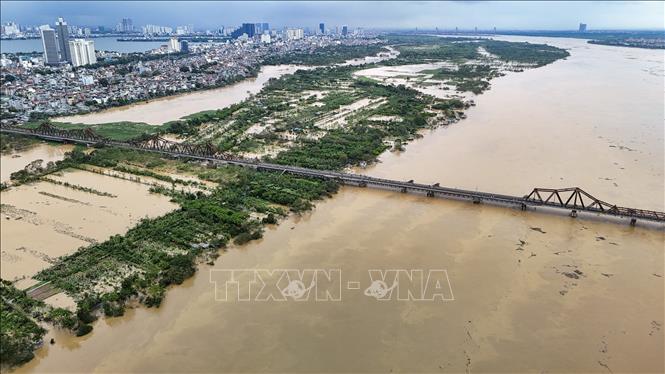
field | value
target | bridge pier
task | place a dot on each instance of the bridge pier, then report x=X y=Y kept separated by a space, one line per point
x=476 y=200
x=573 y=213
x=430 y=194
x=523 y=206
x=633 y=221
x=403 y=190
x=362 y=184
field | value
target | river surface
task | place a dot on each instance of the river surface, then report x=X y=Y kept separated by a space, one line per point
x=532 y=292
x=101 y=44
x=159 y=111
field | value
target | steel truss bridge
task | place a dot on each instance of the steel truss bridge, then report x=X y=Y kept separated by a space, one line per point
x=573 y=199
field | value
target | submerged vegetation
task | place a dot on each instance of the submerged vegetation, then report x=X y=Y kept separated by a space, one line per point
x=20 y=324
x=527 y=53
x=163 y=251
x=11 y=143
x=418 y=49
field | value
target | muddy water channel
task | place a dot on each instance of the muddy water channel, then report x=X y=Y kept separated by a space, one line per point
x=159 y=111
x=532 y=292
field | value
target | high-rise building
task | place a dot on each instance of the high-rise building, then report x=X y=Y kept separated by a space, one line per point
x=174 y=45
x=322 y=28
x=582 y=27
x=249 y=29
x=345 y=30
x=10 y=28
x=246 y=28
x=184 y=30
x=265 y=26
x=50 y=44
x=127 y=25
x=154 y=29
x=82 y=52
x=63 y=40
x=184 y=46
x=295 y=34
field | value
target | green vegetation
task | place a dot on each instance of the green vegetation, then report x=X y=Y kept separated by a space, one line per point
x=158 y=252
x=34 y=171
x=526 y=53
x=10 y=142
x=152 y=174
x=416 y=49
x=329 y=55
x=305 y=104
x=20 y=335
x=419 y=49
x=163 y=251
x=468 y=77
x=120 y=131
x=335 y=150
x=188 y=126
x=135 y=57
x=20 y=331
x=363 y=139
x=474 y=69
x=77 y=187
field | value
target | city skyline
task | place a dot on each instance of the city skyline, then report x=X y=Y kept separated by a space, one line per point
x=386 y=15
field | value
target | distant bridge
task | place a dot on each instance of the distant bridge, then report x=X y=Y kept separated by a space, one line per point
x=573 y=199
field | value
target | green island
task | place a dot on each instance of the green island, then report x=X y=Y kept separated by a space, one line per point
x=328 y=117
x=327 y=55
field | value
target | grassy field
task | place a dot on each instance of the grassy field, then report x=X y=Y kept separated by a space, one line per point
x=115 y=130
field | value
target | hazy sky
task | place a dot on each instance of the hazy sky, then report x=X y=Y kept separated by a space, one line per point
x=502 y=15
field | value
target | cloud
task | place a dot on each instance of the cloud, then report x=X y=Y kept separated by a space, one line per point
x=423 y=14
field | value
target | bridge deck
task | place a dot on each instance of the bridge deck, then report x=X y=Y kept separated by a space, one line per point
x=207 y=152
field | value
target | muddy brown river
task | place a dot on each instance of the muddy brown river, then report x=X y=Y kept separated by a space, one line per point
x=532 y=292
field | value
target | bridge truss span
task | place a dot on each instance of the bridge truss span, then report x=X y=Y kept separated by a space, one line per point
x=572 y=199
x=575 y=198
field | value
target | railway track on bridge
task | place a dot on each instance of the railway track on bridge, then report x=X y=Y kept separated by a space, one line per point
x=574 y=200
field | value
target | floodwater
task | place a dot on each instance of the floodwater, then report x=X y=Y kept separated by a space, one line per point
x=159 y=111
x=41 y=221
x=532 y=292
x=13 y=162
x=381 y=56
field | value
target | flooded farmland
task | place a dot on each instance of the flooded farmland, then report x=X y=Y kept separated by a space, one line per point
x=532 y=292
x=43 y=220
